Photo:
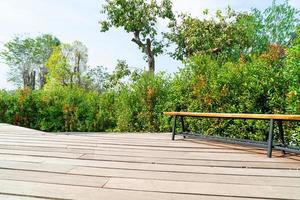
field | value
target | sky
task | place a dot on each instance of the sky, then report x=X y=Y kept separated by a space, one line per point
x=71 y=20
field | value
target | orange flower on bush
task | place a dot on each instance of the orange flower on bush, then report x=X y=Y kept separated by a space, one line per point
x=66 y=108
x=150 y=92
x=274 y=53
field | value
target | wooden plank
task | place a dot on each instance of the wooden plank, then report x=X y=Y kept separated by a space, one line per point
x=179 y=149
x=22 y=158
x=201 y=161
x=177 y=144
x=100 y=142
x=17 y=197
x=192 y=169
x=41 y=153
x=88 y=139
x=203 y=155
x=164 y=157
x=221 y=146
x=101 y=149
x=188 y=177
x=90 y=193
x=64 y=167
x=229 y=156
x=54 y=178
x=237 y=115
x=49 y=167
x=35 y=174
x=232 y=190
x=216 y=145
x=135 y=147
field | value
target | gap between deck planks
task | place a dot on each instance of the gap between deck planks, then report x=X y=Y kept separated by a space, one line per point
x=138 y=166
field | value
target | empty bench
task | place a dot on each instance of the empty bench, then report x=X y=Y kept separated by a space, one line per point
x=279 y=118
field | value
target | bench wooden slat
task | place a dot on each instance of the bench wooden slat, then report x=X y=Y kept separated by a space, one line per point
x=237 y=115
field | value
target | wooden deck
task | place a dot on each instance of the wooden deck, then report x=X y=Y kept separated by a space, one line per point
x=38 y=165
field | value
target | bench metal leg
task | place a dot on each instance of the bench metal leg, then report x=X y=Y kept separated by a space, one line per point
x=174 y=128
x=281 y=135
x=182 y=127
x=270 y=139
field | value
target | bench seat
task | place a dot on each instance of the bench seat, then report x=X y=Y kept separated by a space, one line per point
x=237 y=116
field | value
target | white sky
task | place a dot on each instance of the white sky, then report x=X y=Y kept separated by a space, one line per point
x=71 y=20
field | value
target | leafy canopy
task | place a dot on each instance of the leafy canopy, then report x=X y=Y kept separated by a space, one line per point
x=279 y=22
x=141 y=18
x=26 y=55
x=225 y=35
x=68 y=63
x=233 y=35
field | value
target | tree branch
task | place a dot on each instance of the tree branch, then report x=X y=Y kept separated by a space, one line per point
x=138 y=41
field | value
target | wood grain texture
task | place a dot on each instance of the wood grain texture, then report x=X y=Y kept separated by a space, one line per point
x=38 y=165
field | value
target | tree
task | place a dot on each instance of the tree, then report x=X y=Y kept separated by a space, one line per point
x=279 y=22
x=18 y=55
x=98 y=78
x=120 y=73
x=43 y=49
x=26 y=58
x=227 y=35
x=58 y=68
x=141 y=19
x=78 y=57
x=68 y=63
x=231 y=35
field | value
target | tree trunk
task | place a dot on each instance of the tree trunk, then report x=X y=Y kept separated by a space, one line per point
x=151 y=59
x=78 y=69
x=151 y=63
x=32 y=80
x=29 y=79
x=147 y=49
x=42 y=77
x=25 y=79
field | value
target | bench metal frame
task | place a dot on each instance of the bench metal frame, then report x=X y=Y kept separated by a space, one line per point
x=270 y=146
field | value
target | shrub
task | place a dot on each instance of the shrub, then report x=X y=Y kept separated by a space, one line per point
x=266 y=84
x=253 y=87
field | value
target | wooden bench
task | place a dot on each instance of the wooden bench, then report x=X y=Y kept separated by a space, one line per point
x=271 y=117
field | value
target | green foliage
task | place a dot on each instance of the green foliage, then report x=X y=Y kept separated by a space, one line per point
x=140 y=18
x=134 y=107
x=292 y=75
x=231 y=35
x=59 y=109
x=27 y=57
x=121 y=72
x=227 y=36
x=135 y=15
x=253 y=87
x=279 y=22
x=97 y=79
x=19 y=107
x=140 y=105
x=233 y=63
x=67 y=64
